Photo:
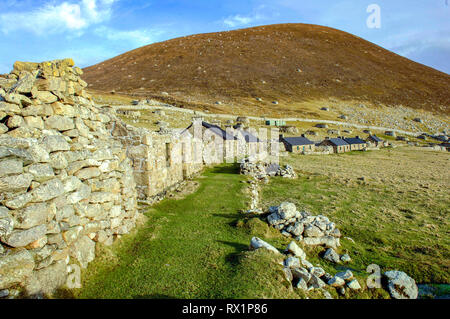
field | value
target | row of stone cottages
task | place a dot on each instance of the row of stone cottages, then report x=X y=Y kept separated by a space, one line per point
x=340 y=144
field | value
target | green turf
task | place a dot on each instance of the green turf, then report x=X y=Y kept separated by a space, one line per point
x=387 y=227
x=189 y=248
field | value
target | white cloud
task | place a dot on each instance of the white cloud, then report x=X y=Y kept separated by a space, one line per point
x=58 y=18
x=138 y=37
x=239 y=20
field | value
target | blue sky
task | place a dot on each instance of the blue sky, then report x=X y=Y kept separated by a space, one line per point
x=91 y=31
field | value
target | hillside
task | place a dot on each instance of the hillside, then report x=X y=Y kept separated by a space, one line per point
x=287 y=63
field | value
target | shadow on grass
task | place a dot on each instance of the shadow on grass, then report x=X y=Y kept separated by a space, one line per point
x=226 y=169
x=233 y=258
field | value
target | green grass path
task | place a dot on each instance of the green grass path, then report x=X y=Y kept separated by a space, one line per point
x=187 y=249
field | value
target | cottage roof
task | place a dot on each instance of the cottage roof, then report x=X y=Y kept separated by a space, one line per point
x=375 y=138
x=298 y=141
x=354 y=140
x=215 y=129
x=338 y=142
x=249 y=137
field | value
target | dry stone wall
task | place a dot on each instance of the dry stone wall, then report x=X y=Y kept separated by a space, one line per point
x=65 y=184
x=71 y=174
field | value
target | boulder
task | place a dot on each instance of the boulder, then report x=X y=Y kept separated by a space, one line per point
x=345 y=275
x=301 y=272
x=336 y=282
x=257 y=243
x=302 y=284
x=294 y=249
x=292 y=262
x=312 y=231
x=354 y=285
x=316 y=283
x=400 y=285
x=287 y=210
x=288 y=274
x=332 y=256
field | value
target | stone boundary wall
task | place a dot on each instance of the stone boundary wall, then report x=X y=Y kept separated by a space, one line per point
x=65 y=184
x=71 y=174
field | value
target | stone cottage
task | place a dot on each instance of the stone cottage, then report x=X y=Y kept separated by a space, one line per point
x=299 y=144
x=356 y=143
x=339 y=145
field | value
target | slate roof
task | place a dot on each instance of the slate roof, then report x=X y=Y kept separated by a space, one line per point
x=338 y=142
x=354 y=140
x=216 y=130
x=375 y=138
x=249 y=137
x=294 y=141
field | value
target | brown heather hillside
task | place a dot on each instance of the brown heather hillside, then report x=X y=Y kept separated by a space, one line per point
x=289 y=63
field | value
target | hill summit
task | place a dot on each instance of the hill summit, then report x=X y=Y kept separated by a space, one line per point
x=269 y=67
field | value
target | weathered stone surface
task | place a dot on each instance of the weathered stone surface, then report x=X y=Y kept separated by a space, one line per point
x=294 y=249
x=21 y=238
x=312 y=231
x=83 y=251
x=345 y=258
x=301 y=272
x=53 y=143
x=15 y=121
x=336 y=282
x=102 y=197
x=6 y=222
x=332 y=256
x=354 y=284
x=41 y=172
x=47 y=280
x=34 y=215
x=330 y=242
x=13 y=183
x=345 y=275
x=19 y=201
x=60 y=123
x=48 y=190
x=400 y=285
x=88 y=173
x=318 y=271
x=257 y=243
x=288 y=274
x=302 y=284
x=46 y=97
x=287 y=210
x=72 y=234
x=34 y=122
x=292 y=262
x=10 y=166
x=83 y=192
x=315 y=282
x=15 y=267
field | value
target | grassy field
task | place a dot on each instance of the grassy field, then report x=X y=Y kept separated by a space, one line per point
x=393 y=203
x=189 y=248
x=197 y=246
